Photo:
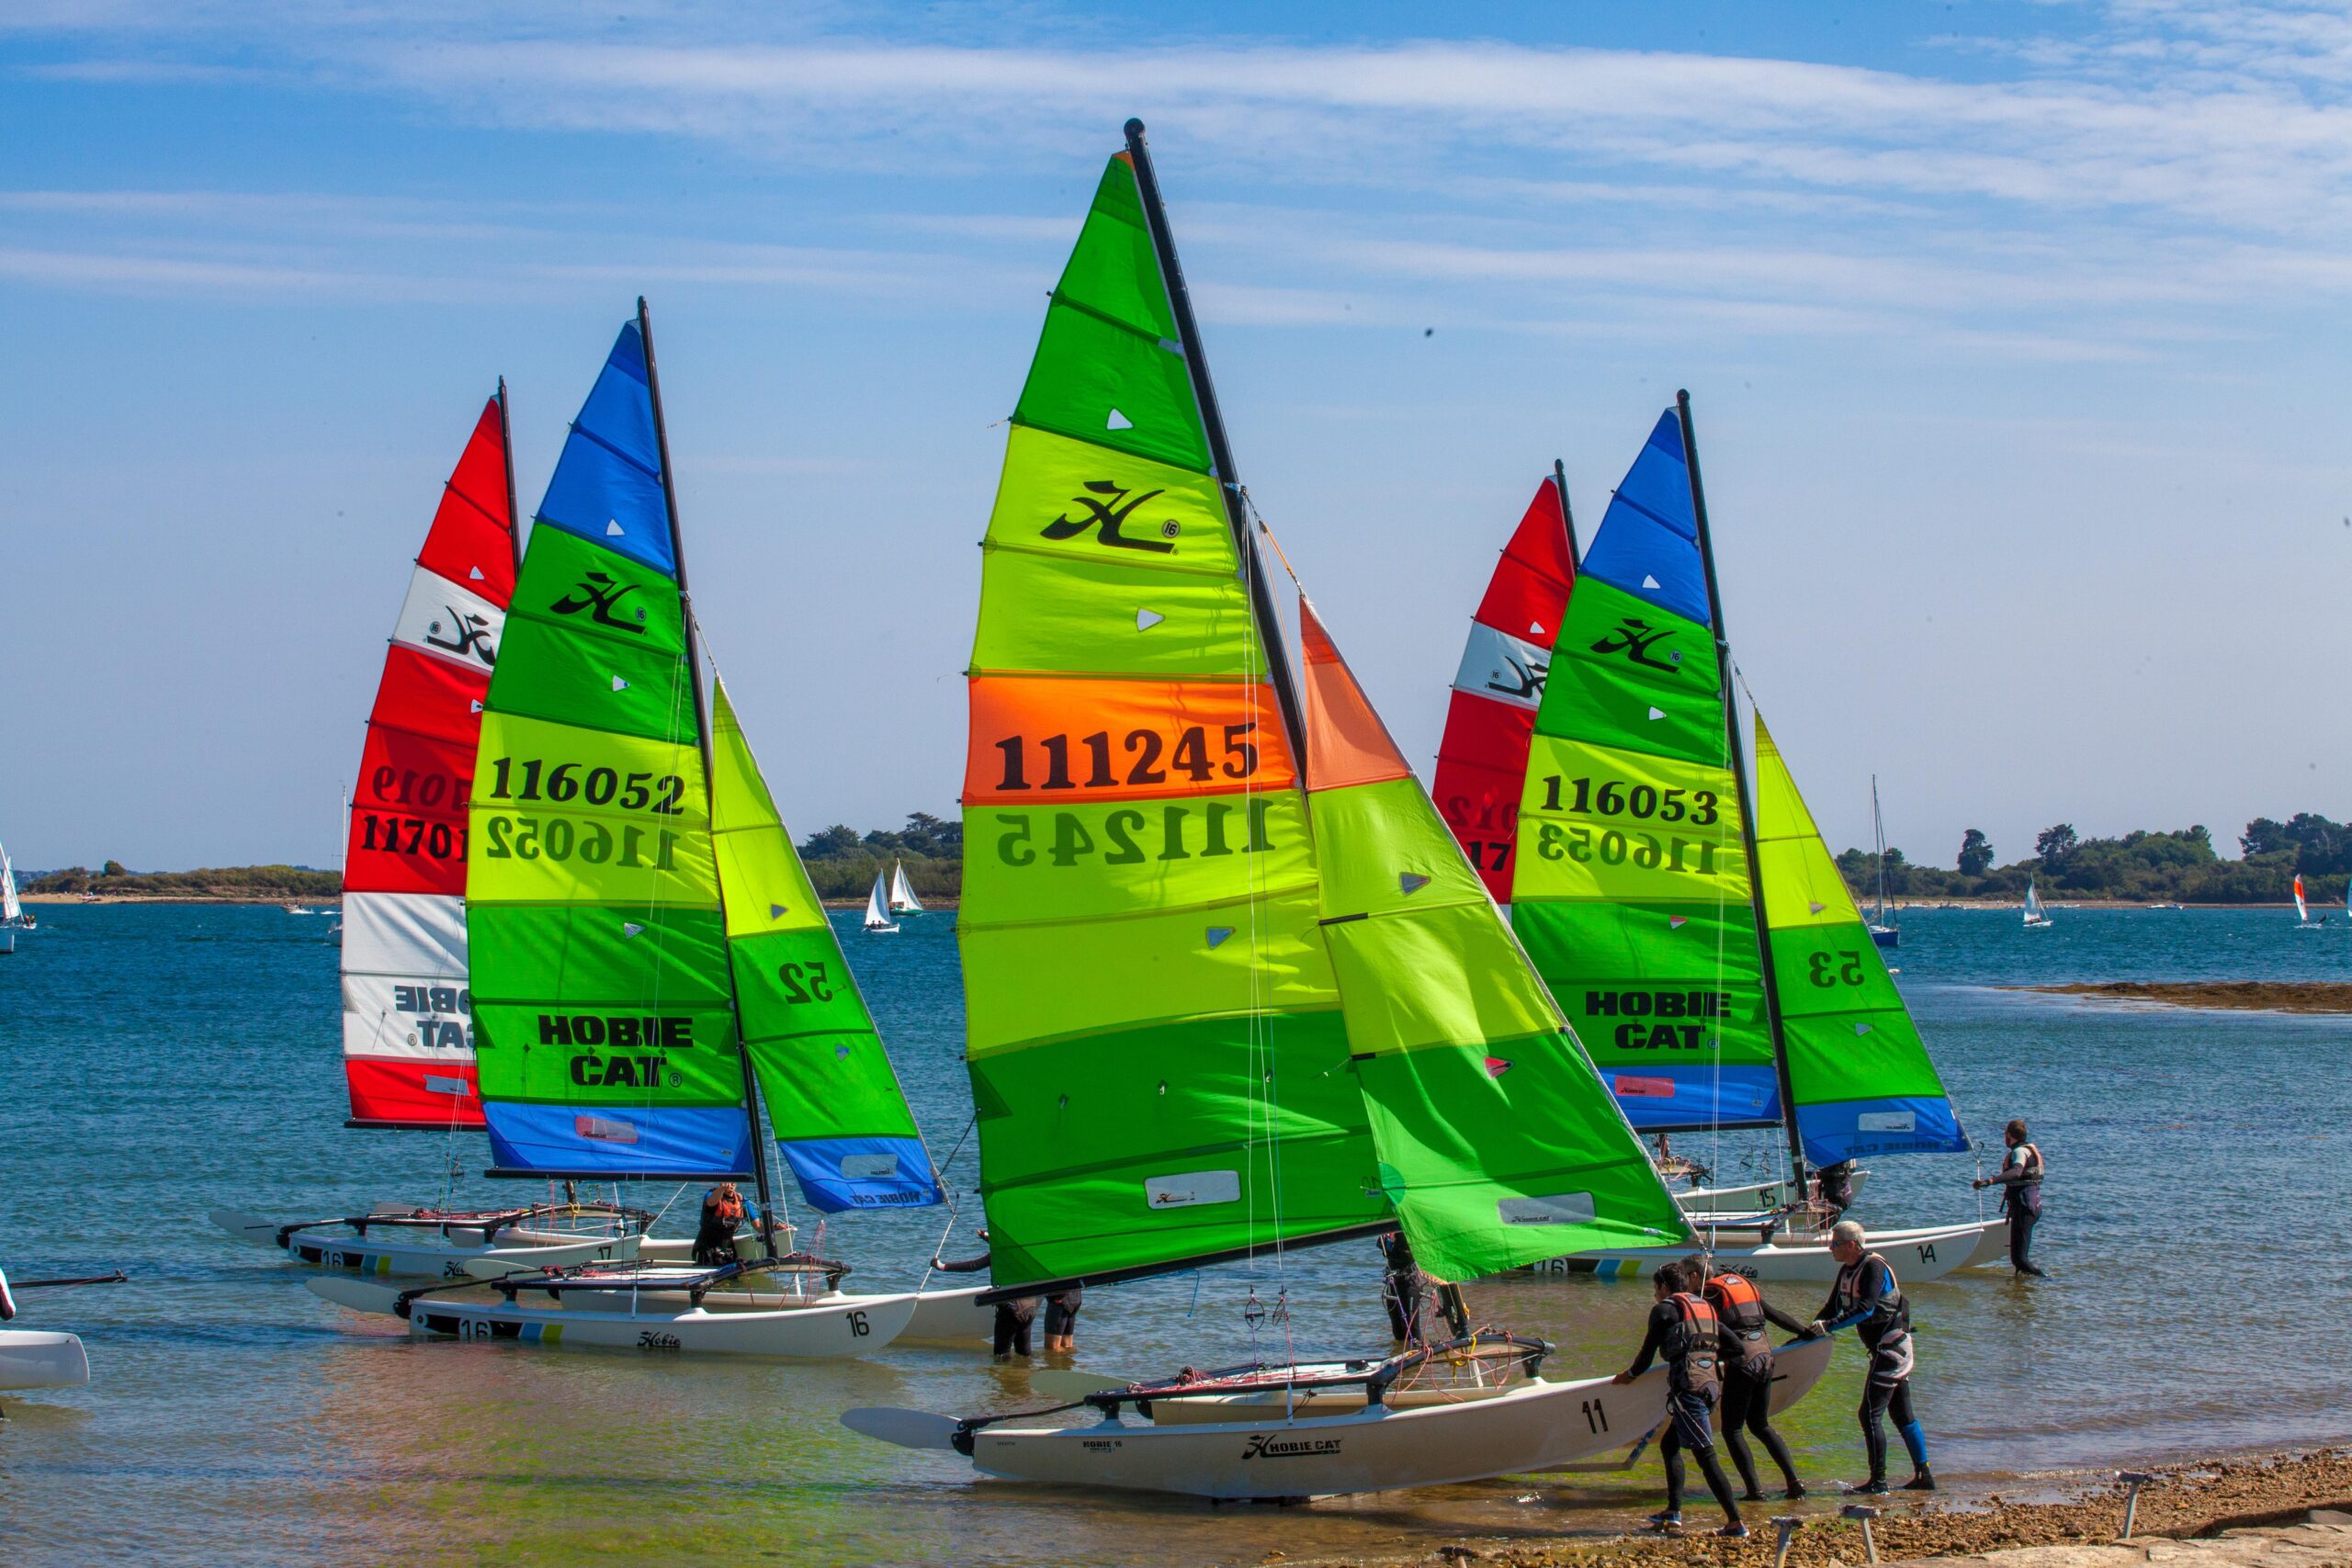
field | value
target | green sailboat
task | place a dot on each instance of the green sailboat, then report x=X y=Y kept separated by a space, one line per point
x=1232 y=988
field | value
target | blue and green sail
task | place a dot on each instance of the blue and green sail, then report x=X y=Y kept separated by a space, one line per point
x=616 y=938
x=1632 y=894
x=1858 y=1072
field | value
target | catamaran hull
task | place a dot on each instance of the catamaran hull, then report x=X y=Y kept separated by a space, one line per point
x=1534 y=1427
x=842 y=1325
x=951 y=1314
x=519 y=1250
x=1993 y=1246
x=31 y=1358
x=1917 y=1255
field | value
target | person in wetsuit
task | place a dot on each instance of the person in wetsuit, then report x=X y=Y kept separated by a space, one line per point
x=1747 y=1319
x=1833 y=1185
x=1401 y=1285
x=1061 y=1319
x=2021 y=1185
x=1015 y=1320
x=1683 y=1330
x=722 y=1210
x=1867 y=1299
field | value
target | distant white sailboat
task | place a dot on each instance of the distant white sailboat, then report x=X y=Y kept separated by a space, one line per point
x=2304 y=921
x=877 y=907
x=1884 y=931
x=12 y=918
x=2036 y=917
x=902 y=892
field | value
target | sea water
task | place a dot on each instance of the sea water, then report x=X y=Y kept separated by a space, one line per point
x=163 y=1060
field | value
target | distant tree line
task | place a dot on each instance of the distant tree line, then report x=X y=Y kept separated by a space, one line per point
x=842 y=862
x=280 y=882
x=2141 y=866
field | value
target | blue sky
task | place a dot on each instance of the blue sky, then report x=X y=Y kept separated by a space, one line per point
x=2013 y=330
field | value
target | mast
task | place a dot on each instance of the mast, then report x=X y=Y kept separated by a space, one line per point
x=1878 y=837
x=1746 y=798
x=1180 y=301
x=1560 y=483
x=702 y=731
x=506 y=450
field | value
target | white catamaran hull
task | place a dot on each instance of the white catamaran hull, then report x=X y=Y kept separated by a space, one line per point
x=951 y=1314
x=1523 y=1430
x=519 y=1250
x=1917 y=1255
x=836 y=1325
x=32 y=1359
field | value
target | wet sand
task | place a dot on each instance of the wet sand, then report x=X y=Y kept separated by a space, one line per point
x=2182 y=1503
x=2253 y=996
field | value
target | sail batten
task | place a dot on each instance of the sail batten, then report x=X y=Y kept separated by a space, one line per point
x=408 y=1020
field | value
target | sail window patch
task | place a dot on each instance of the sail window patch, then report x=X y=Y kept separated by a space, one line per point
x=1559 y=1209
x=868 y=1168
x=604 y=1129
x=1217 y=935
x=1887 y=1122
x=1192 y=1188
x=1118 y=421
x=433 y=1084
x=1409 y=883
x=1147 y=619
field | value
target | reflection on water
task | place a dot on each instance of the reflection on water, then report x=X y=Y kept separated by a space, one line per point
x=186 y=1057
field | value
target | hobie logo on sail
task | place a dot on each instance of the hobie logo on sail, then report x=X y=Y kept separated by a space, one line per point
x=468 y=636
x=1635 y=637
x=1109 y=515
x=1191 y=1187
x=599 y=594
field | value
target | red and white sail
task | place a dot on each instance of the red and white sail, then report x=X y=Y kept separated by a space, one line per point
x=407 y=1014
x=1482 y=759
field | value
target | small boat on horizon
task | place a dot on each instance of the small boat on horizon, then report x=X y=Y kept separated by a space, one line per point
x=877 y=907
x=1884 y=932
x=2037 y=917
x=902 y=892
x=2303 y=921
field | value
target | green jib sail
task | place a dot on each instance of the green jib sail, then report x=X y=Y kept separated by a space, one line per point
x=1156 y=1053
x=1860 y=1073
x=1498 y=1143
x=1632 y=893
x=841 y=1119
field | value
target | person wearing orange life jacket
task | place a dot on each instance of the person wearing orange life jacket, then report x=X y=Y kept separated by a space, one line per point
x=1867 y=1298
x=723 y=1209
x=1683 y=1330
x=1747 y=1319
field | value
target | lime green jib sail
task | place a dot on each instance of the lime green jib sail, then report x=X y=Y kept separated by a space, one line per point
x=1156 y=1053
x=1498 y=1143
x=1858 y=1072
x=1632 y=892
x=841 y=1122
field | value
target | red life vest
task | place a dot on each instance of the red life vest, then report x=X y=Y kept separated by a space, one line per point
x=1747 y=1344
x=1694 y=1351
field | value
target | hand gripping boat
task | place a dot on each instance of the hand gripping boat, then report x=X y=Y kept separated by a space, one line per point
x=654 y=1307
x=451 y=1245
x=1453 y=1412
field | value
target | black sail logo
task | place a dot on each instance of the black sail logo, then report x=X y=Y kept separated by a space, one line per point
x=469 y=638
x=1525 y=678
x=1109 y=514
x=1635 y=637
x=600 y=595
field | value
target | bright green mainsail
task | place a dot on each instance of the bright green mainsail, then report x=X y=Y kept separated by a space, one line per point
x=1858 y=1070
x=1498 y=1143
x=1632 y=893
x=1156 y=1053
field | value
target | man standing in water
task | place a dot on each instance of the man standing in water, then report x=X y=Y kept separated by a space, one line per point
x=1867 y=1299
x=1015 y=1320
x=2021 y=1185
x=1747 y=1319
x=1683 y=1330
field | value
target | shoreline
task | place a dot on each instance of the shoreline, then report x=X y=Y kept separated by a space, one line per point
x=2188 y=1501
x=2237 y=995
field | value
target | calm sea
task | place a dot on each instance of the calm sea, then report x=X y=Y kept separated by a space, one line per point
x=163 y=1060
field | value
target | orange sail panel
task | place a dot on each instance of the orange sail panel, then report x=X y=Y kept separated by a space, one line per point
x=407 y=1011
x=1482 y=761
x=1034 y=739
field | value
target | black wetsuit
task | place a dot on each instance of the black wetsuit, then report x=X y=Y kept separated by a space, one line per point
x=1015 y=1320
x=2021 y=1185
x=1693 y=1384
x=1868 y=1298
x=1401 y=1287
x=1747 y=1389
x=715 y=1235
x=1062 y=1311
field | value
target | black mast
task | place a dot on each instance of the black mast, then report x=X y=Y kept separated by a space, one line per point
x=1746 y=801
x=702 y=729
x=1560 y=483
x=506 y=450
x=1270 y=633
